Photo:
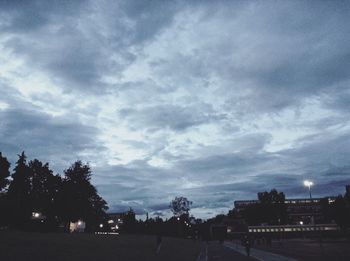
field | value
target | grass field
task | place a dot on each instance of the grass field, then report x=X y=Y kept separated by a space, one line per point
x=19 y=246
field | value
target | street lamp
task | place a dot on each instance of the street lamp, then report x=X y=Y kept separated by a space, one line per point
x=308 y=183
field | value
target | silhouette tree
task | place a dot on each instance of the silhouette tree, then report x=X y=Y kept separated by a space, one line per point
x=19 y=193
x=180 y=206
x=129 y=221
x=45 y=187
x=79 y=199
x=270 y=209
x=97 y=211
x=4 y=172
x=39 y=193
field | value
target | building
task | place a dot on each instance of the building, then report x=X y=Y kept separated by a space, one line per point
x=307 y=211
x=299 y=211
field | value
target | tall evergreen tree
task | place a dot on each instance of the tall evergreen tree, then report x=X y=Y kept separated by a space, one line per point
x=19 y=193
x=4 y=172
x=45 y=187
x=79 y=198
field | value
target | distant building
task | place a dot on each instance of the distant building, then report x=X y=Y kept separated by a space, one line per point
x=303 y=210
x=307 y=211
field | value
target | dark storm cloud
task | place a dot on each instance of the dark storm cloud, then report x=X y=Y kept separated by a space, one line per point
x=58 y=140
x=241 y=161
x=132 y=182
x=50 y=35
x=76 y=63
x=340 y=101
x=23 y=16
x=281 y=56
x=170 y=116
x=149 y=16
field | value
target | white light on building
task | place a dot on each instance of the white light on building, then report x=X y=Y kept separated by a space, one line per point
x=77 y=226
x=36 y=214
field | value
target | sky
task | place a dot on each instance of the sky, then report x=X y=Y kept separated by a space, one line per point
x=211 y=100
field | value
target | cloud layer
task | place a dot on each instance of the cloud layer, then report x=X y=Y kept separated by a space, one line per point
x=214 y=101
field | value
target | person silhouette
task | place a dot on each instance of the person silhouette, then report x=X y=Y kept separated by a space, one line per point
x=159 y=243
x=247 y=245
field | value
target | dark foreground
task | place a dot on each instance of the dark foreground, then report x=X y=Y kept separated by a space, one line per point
x=312 y=249
x=19 y=246
x=218 y=252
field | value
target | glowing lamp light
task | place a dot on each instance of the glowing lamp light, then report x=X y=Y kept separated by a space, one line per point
x=301 y=222
x=79 y=223
x=36 y=214
x=308 y=183
x=101 y=225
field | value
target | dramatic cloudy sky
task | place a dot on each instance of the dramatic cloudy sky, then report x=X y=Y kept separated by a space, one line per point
x=212 y=100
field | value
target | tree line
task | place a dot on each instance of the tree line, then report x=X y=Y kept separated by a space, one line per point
x=33 y=188
x=181 y=224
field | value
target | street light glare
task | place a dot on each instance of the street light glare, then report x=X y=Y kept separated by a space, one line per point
x=308 y=183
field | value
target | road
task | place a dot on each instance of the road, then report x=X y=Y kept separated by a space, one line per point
x=228 y=251
x=260 y=255
x=214 y=251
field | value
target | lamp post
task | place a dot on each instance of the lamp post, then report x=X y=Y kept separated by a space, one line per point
x=308 y=184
